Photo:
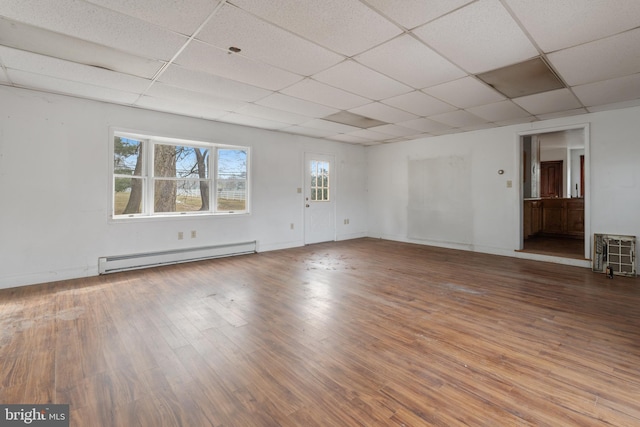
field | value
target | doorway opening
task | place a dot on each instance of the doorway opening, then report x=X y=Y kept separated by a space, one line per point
x=555 y=193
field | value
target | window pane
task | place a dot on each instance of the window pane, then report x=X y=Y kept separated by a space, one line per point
x=127 y=197
x=232 y=180
x=177 y=161
x=313 y=194
x=127 y=156
x=164 y=160
x=181 y=195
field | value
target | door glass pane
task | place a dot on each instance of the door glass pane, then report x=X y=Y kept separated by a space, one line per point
x=320 y=180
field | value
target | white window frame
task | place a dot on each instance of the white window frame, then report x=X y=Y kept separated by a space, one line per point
x=148 y=178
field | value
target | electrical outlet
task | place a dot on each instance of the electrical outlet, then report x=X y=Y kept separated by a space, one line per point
x=292 y=226
x=193 y=234
x=180 y=235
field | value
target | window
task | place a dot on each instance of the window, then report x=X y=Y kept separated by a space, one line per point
x=319 y=181
x=160 y=176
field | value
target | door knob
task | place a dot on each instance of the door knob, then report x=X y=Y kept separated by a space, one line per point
x=307 y=205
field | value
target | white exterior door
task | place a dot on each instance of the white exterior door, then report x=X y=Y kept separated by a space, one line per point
x=319 y=199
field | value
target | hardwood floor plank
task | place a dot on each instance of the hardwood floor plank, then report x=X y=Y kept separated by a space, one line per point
x=363 y=332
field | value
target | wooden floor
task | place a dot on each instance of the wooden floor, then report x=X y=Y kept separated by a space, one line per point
x=555 y=246
x=357 y=333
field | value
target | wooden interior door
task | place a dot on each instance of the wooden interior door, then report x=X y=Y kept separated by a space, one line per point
x=551 y=179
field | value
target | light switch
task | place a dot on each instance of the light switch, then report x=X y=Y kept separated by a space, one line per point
x=509 y=183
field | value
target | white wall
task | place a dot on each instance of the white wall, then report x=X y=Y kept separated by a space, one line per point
x=54 y=174
x=495 y=222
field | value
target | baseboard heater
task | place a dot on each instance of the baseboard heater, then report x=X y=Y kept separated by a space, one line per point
x=112 y=264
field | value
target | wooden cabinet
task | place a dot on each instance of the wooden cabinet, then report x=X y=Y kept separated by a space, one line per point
x=554 y=217
x=575 y=217
x=532 y=218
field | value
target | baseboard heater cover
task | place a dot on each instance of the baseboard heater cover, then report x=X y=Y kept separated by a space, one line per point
x=112 y=264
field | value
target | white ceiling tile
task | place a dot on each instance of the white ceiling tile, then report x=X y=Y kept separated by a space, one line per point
x=321 y=93
x=557 y=24
x=178 y=107
x=567 y=113
x=204 y=57
x=615 y=56
x=516 y=121
x=163 y=91
x=609 y=91
x=383 y=112
x=351 y=139
x=369 y=134
x=411 y=62
x=479 y=37
x=464 y=93
x=458 y=119
x=180 y=16
x=356 y=78
x=303 y=60
x=397 y=139
x=316 y=133
x=265 y=42
x=420 y=136
x=411 y=13
x=66 y=87
x=329 y=126
x=425 y=125
x=394 y=130
x=548 y=102
x=255 y=122
x=4 y=78
x=208 y=83
x=479 y=126
x=93 y=23
x=268 y=113
x=296 y=105
x=71 y=71
x=419 y=103
x=45 y=42
x=345 y=26
x=502 y=110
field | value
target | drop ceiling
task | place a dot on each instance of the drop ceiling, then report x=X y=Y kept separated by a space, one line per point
x=356 y=71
